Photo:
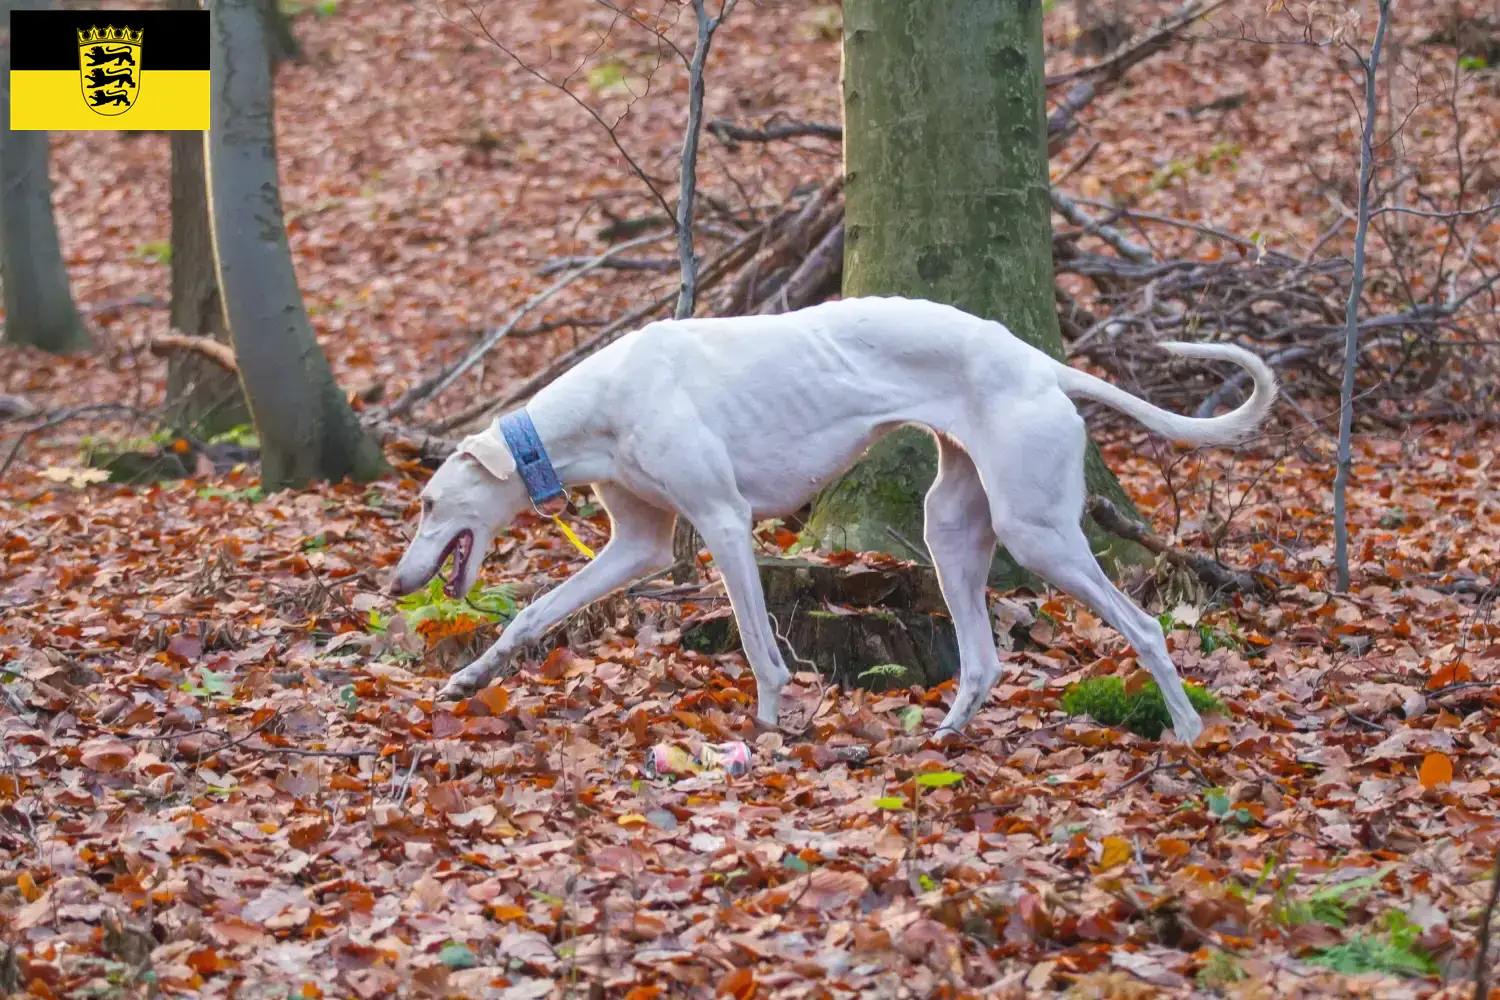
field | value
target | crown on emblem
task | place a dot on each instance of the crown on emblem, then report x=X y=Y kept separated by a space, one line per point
x=123 y=36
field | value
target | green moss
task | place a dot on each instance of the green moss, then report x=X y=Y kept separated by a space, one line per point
x=1145 y=713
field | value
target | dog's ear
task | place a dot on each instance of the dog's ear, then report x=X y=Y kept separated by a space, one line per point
x=490 y=451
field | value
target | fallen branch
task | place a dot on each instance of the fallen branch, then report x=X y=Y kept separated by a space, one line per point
x=1068 y=209
x=13 y=407
x=729 y=132
x=822 y=266
x=618 y=264
x=164 y=345
x=1112 y=66
x=1212 y=572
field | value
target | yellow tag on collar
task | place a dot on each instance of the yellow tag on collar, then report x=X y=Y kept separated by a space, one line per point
x=577 y=542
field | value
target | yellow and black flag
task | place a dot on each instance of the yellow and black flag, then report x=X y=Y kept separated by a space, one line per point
x=108 y=69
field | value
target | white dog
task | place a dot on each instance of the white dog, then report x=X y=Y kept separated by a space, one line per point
x=728 y=421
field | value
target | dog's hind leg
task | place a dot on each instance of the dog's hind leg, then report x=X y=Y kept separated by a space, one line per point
x=962 y=544
x=640 y=543
x=1038 y=508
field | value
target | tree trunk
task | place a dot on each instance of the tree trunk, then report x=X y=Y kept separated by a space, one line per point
x=280 y=41
x=307 y=430
x=946 y=198
x=207 y=399
x=39 y=309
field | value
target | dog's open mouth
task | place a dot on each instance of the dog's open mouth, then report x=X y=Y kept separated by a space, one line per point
x=461 y=548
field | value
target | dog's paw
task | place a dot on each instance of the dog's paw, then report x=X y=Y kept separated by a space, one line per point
x=458 y=688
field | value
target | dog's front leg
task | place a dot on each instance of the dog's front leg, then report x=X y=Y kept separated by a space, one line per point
x=640 y=543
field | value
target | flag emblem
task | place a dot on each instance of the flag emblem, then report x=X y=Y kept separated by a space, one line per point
x=87 y=70
x=110 y=64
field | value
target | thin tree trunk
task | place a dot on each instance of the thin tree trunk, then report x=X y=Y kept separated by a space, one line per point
x=207 y=399
x=946 y=196
x=307 y=430
x=39 y=309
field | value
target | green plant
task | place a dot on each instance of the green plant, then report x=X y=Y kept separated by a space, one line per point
x=1393 y=951
x=1328 y=904
x=1222 y=969
x=432 y=605
x=1473 y=62
x=1144 y=713
x=242 y=435
x=250 y=494
x=209 y=685
x=158 y=252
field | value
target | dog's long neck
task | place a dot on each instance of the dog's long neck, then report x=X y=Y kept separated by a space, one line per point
x=579 y=444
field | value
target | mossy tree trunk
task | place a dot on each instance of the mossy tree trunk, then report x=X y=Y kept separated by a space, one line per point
x=39 y=309
x=307 y=430
x=946 y=198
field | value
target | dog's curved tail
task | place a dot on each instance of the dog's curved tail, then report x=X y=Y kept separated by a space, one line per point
x=1229 y=428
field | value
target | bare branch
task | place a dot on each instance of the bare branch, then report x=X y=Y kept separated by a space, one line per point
x=432 y=388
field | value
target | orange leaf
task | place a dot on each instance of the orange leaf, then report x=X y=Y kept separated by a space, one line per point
x=1117 y=851
x=207 y=961
x=644 y=993
x=28 y=887
x=1449 y=673
x=1135 y=683
x=507 y=912
x=1172 y=847
x=738 y=983
x=1437 y=769
x=496 y=699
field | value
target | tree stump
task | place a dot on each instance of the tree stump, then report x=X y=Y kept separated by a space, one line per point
x=859 y=626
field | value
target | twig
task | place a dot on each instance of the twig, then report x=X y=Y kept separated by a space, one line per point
x=912 y=547
x=688 y=189
x=1351 y=319
x=1175 y=765
x=1209 y=570
x=165 y=344
x=1482 y=960
x=416 y=759
x=87 y=410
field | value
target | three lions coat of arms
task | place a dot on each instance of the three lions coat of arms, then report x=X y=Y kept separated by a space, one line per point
x=109 y=63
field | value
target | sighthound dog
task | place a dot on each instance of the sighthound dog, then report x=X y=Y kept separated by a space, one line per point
x=729 y=421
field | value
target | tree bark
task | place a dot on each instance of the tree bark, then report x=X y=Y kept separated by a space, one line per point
x=39 y=309
x=281 y=42
x=207 y=398
x=946 y=198
x=307 y=430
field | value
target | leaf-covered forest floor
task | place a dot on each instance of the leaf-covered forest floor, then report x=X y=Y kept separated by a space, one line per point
x=222 y=771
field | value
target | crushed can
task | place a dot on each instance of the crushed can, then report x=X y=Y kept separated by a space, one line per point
x=712 y=759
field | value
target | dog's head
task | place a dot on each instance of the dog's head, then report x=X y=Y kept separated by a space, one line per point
x=471 y=496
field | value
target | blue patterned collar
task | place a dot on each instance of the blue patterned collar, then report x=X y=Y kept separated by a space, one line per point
x=531 y=458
